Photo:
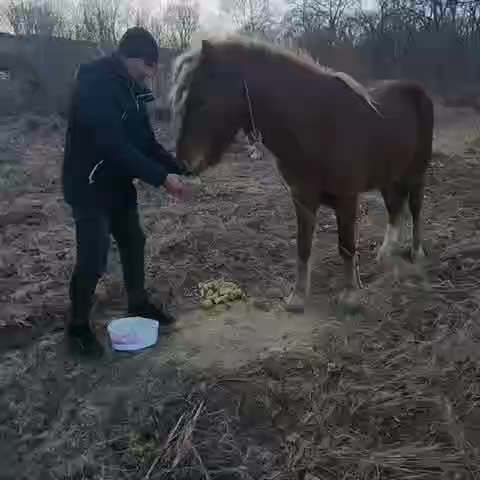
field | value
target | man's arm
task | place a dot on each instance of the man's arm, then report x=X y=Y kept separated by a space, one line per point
x=167 y=159
x=99 y=113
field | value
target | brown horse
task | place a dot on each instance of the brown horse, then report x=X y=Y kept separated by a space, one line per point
x=333 y=139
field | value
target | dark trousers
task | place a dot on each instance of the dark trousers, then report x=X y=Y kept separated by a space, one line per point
x=93 y=229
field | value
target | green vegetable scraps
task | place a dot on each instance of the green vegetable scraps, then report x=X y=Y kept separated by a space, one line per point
x=215 y=292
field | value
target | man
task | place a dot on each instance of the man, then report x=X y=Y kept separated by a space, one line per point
x=109 y=142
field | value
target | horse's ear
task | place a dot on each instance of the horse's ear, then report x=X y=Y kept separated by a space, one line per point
x=207 y=47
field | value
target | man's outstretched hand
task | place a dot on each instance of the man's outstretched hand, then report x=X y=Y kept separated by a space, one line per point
x=174 y=186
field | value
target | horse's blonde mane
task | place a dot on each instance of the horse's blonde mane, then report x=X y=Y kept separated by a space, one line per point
x=184 y=67
x=186 y=64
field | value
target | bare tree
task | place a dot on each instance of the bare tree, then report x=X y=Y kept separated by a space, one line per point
x=100 y=20
x=312 y=16
x=158 y=29
x=249 y=16
x=182 y=20
x=154 y=22
x=27 y=17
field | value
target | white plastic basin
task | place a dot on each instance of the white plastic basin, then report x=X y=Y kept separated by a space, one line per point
x=132 y=333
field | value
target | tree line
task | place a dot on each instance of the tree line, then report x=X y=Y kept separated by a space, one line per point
x=101 y=21
x=435 y=41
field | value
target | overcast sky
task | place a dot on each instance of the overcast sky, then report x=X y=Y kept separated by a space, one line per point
x=213 y=20
x=211 y=16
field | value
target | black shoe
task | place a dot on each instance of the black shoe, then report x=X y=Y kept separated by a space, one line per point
x=147 y=310
x=83 y=341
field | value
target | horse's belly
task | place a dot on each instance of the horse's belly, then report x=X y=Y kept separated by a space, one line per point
x=346 y=178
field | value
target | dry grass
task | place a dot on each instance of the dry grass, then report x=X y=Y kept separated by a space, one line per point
x=392 y=392
x=372 y=400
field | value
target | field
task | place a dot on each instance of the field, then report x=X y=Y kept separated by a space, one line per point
x=247 y=392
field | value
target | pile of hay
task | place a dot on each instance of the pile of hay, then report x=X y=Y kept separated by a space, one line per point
x=373 y=400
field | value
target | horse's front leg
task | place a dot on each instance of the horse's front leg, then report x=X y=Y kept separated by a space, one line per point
x=306 y=216
x=346 y=213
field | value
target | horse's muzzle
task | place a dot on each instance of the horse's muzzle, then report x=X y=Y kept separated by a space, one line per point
x=188 y=173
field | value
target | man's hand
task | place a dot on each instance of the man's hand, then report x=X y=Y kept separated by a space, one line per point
x=174 y=186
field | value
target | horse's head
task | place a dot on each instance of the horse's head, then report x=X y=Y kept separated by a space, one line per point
x=208 y=100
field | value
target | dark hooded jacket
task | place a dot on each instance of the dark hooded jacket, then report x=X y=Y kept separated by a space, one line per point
x=109 y=139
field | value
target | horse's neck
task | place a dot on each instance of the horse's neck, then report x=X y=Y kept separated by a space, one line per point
x=275 y=110
x=258 y=98
x=263 y=99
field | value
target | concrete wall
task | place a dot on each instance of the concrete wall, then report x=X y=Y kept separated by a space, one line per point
x=40 y=71
x=36 y=73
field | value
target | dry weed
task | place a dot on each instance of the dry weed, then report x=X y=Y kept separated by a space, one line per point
x=373 y=401
x=392 y=393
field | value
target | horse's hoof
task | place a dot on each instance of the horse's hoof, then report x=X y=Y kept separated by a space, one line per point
x=295 y=303
x=383 y=254
x=389 y=254
x=418 y=255
x=349 y=300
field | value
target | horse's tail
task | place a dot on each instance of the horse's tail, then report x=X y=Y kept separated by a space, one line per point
x=425 y=125
x=415 y=182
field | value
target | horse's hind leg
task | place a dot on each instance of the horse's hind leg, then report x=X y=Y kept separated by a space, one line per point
x=306 y=216
x=415 y=202
x=395 y=198
x=346 y=212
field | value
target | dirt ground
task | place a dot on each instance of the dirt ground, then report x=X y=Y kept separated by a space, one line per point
x=247 y=392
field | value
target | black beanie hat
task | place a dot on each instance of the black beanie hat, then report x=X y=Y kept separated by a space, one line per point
x=138 y=43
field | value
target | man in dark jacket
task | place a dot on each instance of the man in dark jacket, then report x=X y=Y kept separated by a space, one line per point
x=110 y=142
